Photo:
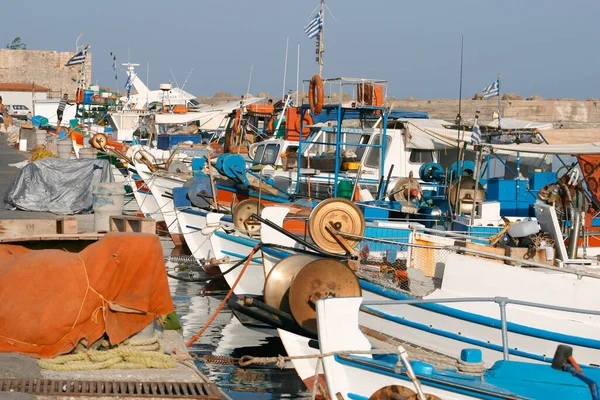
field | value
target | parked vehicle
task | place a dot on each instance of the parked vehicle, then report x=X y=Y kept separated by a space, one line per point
x=18 y=111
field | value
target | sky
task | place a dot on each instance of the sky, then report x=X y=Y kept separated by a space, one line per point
x=544 y=47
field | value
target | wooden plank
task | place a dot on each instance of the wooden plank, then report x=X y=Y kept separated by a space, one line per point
x=519 y=252
x=482 y=247
x=48 y=237
x=25 y=227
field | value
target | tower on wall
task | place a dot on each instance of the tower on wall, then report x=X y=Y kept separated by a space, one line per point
x=42 y=67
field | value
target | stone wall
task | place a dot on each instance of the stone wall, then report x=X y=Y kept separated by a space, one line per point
x=45 y=68
x=569 y=111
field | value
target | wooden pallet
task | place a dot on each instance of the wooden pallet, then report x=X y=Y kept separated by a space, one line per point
x=128 y=223
x=23 y=230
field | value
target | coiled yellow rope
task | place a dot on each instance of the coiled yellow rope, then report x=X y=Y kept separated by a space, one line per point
x=131 y=354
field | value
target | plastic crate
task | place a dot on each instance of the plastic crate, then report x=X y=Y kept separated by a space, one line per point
x=166 y=141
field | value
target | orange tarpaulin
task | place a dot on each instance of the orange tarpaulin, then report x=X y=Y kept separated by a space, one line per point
x=51 y=299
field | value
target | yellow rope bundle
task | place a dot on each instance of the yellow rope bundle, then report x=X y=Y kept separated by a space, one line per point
x=40 y=153
x=130 y=354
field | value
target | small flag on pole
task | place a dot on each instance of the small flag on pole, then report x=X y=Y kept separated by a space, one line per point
x=314 y=26
x=492 y=90
x=78 y=58
x=476 y=134
x=129 y=83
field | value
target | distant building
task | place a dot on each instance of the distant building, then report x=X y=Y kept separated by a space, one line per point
x=23 y=93
x=45 y=68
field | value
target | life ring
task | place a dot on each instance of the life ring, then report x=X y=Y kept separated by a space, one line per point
x=307 y=121
x=236 y=122
x=79 y=96
x=316 y=94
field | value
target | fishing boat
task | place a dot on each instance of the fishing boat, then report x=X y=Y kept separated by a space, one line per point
x=498 y=308
x=353 y=369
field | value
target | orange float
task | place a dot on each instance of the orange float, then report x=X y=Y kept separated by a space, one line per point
x=260 y=108
x=180 y=109
x=79 y=96
x=306 y=121
x=236 y=122
x=316 y=94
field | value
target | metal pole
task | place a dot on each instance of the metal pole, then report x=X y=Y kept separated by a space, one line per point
x=499 y=104
x=298 y=76
x=337 y=150
x=502 y=304
x=478 y=155
x=287 y=43
x=321 y=47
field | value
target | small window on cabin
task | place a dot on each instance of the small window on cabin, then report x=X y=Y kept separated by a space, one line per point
x=360 y=150
x=421 y=156
x=372 y=159
x=259 y=153
x=271 y=154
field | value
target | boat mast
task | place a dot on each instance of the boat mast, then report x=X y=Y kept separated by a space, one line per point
x=320 y=46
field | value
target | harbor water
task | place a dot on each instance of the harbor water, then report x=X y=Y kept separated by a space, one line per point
x=195 y=304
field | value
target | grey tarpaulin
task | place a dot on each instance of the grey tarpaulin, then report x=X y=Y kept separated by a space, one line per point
x=58 y=186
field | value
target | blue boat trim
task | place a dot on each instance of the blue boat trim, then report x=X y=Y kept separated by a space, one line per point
x=483 y=320
x=240 y=256
x=202 y=213
x=276 y=252
x=454 y=336
x=246 y=241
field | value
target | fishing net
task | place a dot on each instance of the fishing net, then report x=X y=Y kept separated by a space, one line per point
x=410 y=265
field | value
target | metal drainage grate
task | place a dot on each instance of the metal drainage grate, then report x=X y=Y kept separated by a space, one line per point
x=59 y=387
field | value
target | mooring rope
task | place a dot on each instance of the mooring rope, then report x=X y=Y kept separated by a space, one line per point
x=218 y=310
x=280 y=362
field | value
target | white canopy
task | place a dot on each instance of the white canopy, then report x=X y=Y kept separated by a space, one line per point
x=432 y=134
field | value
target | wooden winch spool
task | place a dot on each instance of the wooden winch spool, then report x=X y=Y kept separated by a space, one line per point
x=242 y=217
x=279 y=280
x=320 y=279
x=340 y=215
x=468 y=195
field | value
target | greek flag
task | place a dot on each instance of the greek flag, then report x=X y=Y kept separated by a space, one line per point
x=476 y=134
x=314 y=26
x=77 y=59
x=492 y=90
x=129 y=83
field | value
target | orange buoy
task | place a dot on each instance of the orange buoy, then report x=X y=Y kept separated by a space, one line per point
x=316 y=94
x=79 y=96
x=307 y=120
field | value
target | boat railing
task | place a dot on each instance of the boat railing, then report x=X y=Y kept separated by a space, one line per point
x=501 y=301
x=360 y=91
x=340 y=144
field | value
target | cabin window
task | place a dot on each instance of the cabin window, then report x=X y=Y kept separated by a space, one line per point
x=372 y=159
x=421 y=156
x=270 y=154
x=360 y=150
x=259 y=153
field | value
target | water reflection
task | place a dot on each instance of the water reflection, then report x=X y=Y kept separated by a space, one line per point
x=228 y=337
